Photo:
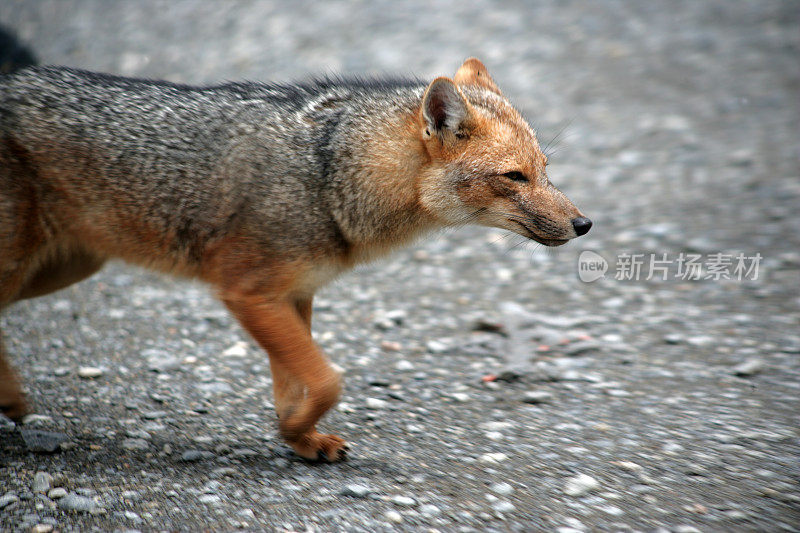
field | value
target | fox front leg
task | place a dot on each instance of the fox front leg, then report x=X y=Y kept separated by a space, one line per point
x=305 y=384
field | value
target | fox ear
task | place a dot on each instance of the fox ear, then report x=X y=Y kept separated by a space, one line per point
x=443 y=106
x=473 y=72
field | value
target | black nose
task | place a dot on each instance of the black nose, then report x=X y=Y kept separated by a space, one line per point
x=581 y=225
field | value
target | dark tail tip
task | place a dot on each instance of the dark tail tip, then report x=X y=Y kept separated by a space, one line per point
x=13 y=54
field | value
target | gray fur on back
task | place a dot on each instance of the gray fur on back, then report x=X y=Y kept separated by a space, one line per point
x=196 y=163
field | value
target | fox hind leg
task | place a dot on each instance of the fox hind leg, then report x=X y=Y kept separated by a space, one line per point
x=12 y=400
x=13 y=403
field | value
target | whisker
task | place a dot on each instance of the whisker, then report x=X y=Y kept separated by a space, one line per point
x=465 y=220
x=556 y=138
x=470 y=217
x=521 y=244
x=504 y=236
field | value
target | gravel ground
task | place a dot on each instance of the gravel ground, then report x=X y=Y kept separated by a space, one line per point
x=487 y=387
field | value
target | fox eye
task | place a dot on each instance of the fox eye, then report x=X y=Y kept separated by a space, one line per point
x=516 y=176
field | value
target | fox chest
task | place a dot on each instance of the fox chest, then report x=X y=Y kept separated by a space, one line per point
x=318 y=276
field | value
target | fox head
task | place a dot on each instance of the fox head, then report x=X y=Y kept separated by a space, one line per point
x=485 y=165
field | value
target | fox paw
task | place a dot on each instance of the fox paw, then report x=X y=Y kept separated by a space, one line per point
x=320 y=447
x=14 y=409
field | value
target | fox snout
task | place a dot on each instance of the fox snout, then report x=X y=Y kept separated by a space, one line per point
x=544 y=214
x=547 y=231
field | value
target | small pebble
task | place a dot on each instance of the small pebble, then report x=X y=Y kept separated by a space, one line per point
x=536 y=396
x=41 y=482
x=137 y=434
x=192 y=456
x=429 y=510
x=152 y=415
x=686 y=529
x=237 y=350
x=224 y=471
x=391 y=346
x=57 y=493
x=502 y=488
x=750 y=367
x=574 y=523
x=90 y=372
x=42 y=528
x=43 y=441
x=37 y=420
x=580 y=485
x=7 y=500
x=613 y=510
x=247 y=514
x=74 y=502
x=493 y=457
x=437 y=347
x=503 y=506
x=376 y=403
x=403 y=364
x=135 y=444
x=580 y=348
x=736 y=514
x=404 y=501
x=356 y=491
x=393 y=516
x=628 y=465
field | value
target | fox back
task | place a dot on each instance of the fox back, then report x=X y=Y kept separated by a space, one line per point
x=157 y=172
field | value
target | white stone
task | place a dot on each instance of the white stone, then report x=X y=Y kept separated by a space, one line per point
x=237 y=350
x=750 y=367
x=580 y=485
x=402 y=364
x=503 y=507
x=376 y=403
x=405 y=501
x=493 y=457
x=34 y=419
x=90 y=372
x=56 y=493
x=502 y=488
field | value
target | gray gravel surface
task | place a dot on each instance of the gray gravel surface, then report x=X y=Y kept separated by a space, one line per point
x=620 y=405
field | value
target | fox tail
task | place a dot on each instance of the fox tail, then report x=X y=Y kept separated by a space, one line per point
x=14 y=55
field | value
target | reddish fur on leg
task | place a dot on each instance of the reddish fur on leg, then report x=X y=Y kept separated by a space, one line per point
x=297 y=365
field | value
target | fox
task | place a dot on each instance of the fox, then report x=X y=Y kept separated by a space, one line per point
x=264 y=191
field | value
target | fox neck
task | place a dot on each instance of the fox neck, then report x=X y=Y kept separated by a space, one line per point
x=378 y=206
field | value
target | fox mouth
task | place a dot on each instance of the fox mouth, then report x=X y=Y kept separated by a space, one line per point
x=541 y=240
